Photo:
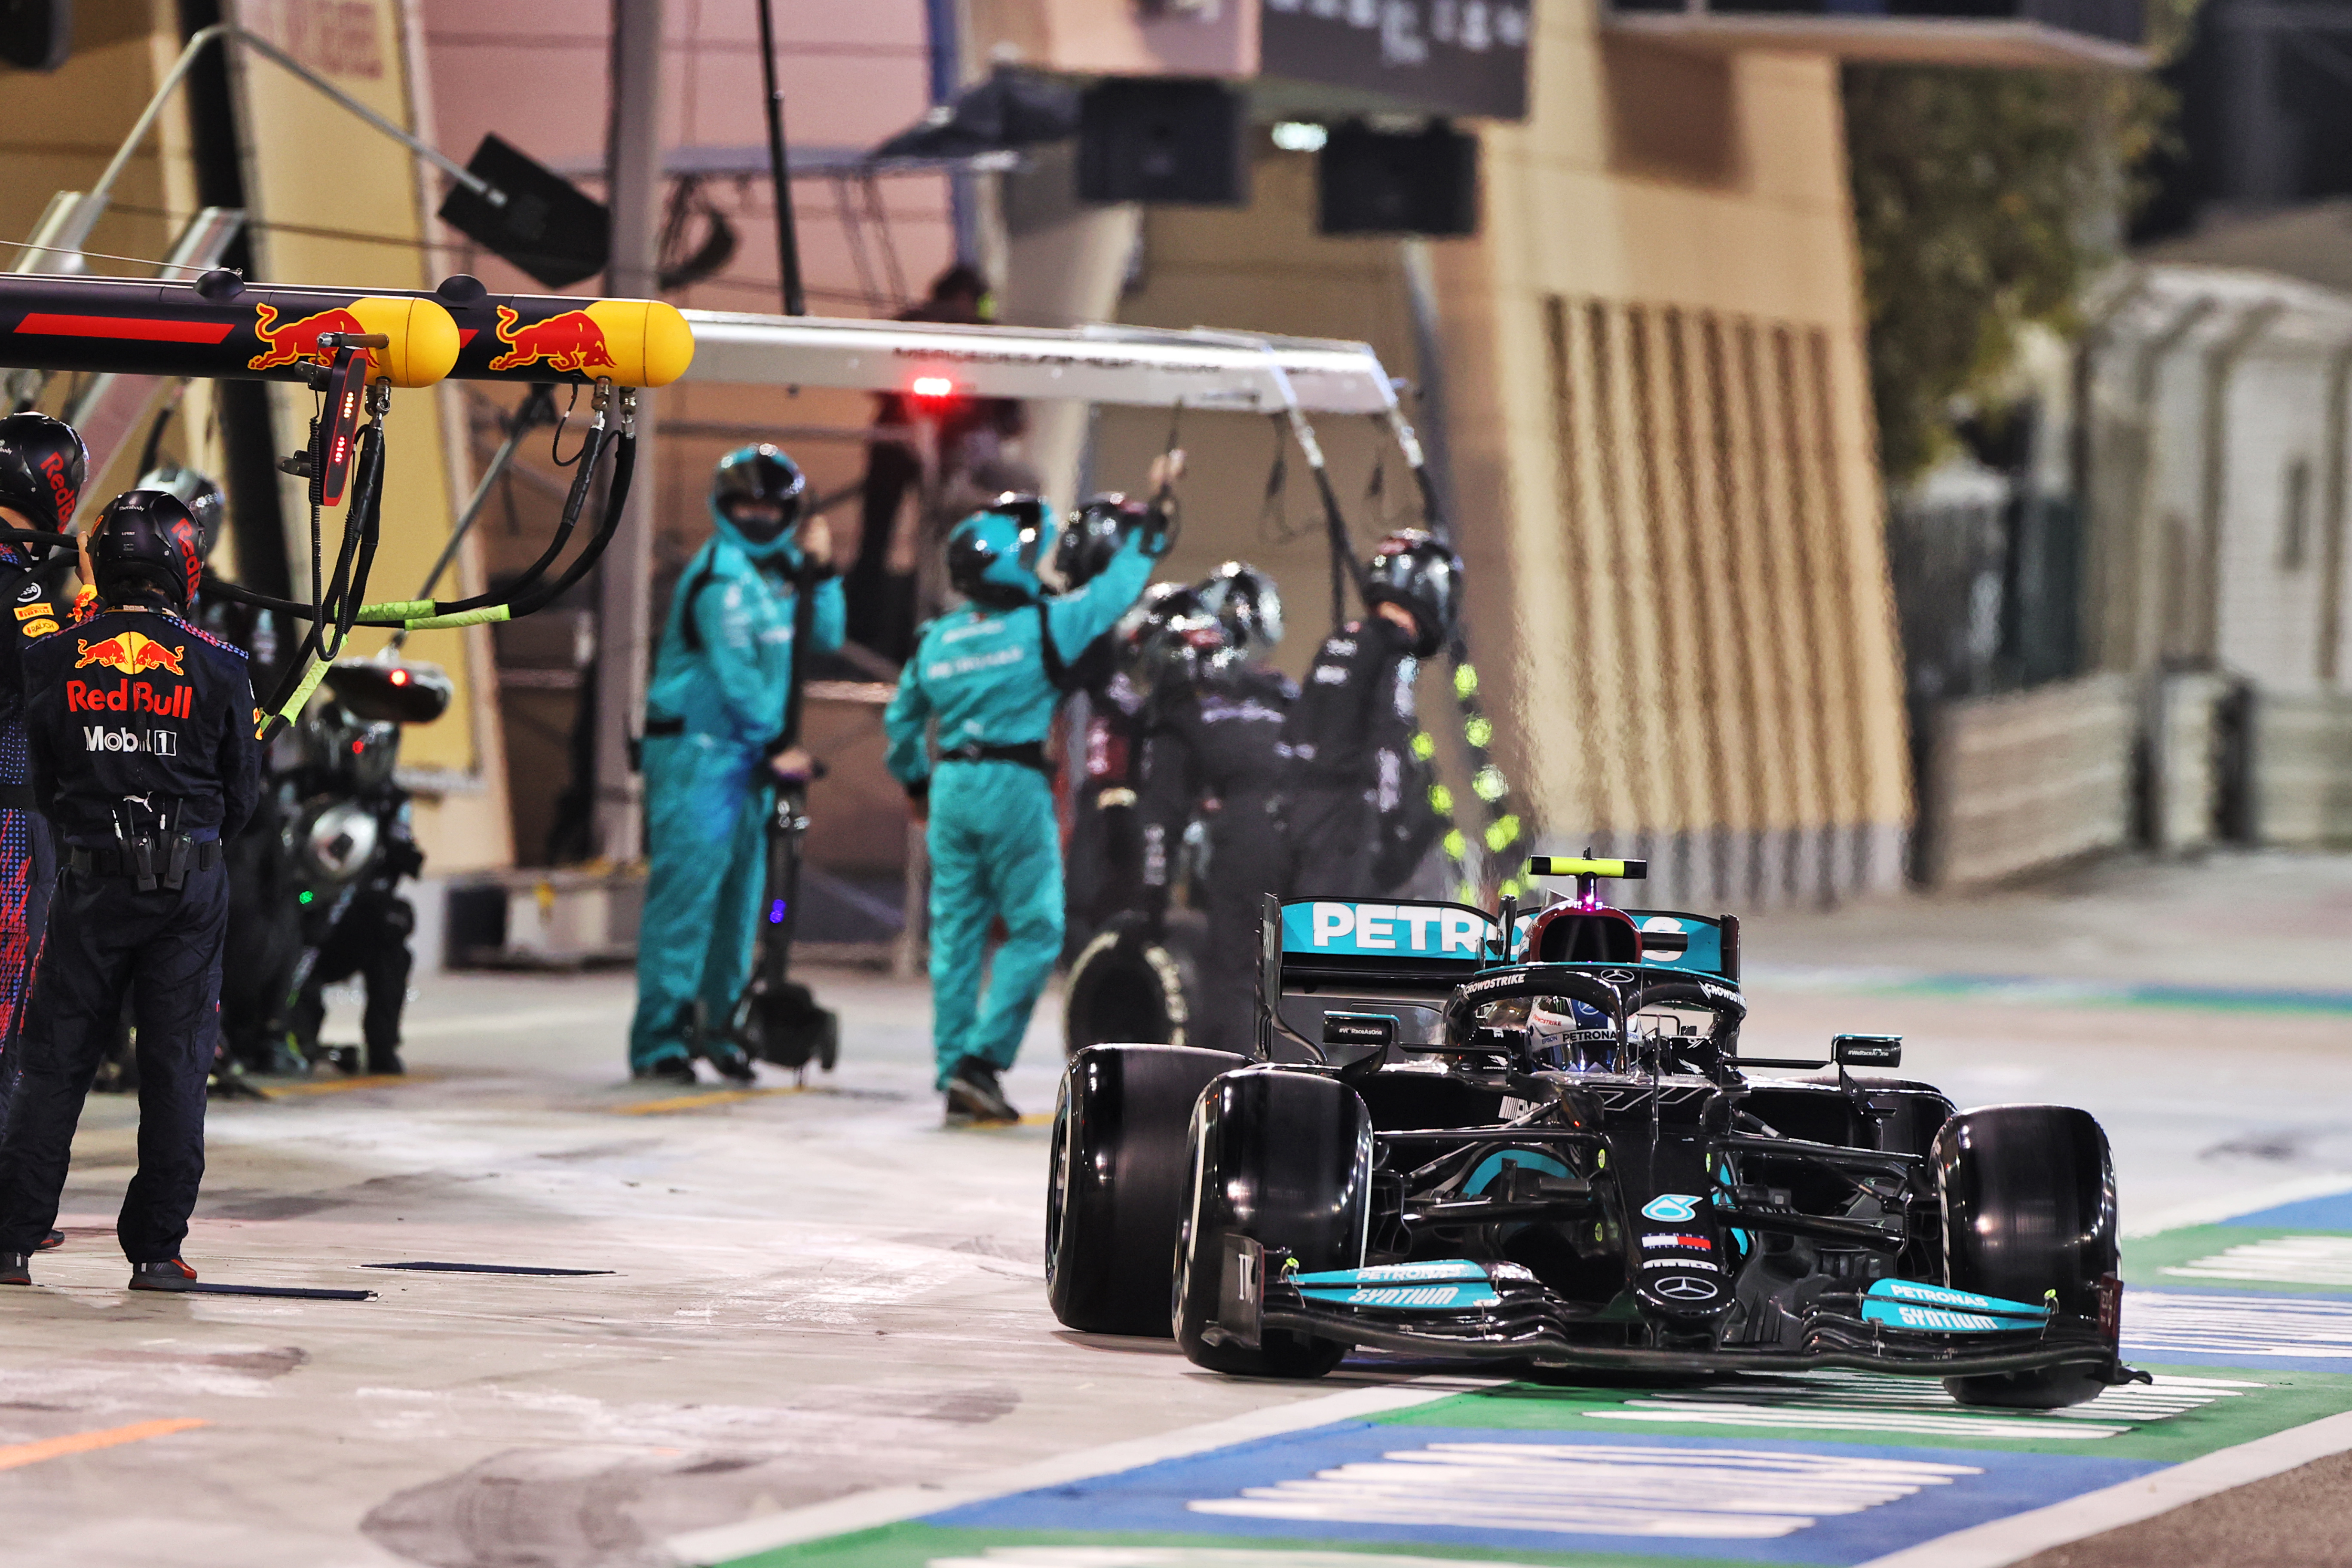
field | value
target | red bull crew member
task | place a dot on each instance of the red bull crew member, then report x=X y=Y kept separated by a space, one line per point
x=714 y=719
x=985 y=674
x=143 y=756
x=42 y=469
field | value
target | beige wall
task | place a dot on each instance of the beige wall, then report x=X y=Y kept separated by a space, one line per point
x=1662 y=450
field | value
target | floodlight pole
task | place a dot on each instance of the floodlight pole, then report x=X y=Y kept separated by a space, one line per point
x=624 y=609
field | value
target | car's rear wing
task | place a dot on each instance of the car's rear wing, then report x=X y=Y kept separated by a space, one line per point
x=1369 y=951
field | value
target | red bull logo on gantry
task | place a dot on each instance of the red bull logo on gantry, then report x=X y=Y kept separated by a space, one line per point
x=132 y=653
x=568 y=340
x=298 y=340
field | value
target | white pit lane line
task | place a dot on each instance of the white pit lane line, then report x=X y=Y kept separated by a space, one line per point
x=889 y=1505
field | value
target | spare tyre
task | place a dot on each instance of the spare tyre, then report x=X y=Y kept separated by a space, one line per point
x=1127 y=990
x=1115 y=1187
x=2028 y=1195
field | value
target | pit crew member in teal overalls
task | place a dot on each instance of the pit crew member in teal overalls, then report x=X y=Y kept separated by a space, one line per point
x=988 y=676
x=714 y=718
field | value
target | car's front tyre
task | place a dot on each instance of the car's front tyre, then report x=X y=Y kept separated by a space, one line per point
x=2027 y=1194
x=1115 y=1185
x=1284 y=1159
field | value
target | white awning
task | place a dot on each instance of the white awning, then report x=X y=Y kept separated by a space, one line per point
x=1199 y=369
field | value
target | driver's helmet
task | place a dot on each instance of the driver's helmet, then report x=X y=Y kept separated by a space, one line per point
x=1573 y=1037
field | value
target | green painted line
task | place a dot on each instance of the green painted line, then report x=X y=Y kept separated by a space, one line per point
x=2049 y=991
x=2223 y=1258
x=914 y=1544
x=2189 y=1412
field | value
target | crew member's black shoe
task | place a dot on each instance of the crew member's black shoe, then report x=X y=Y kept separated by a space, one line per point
x=51 y=1242
x=385 y=1062
x=169 y=1275
x=16 y=1269
x=974 y=1094
x=668 y=1070
x=732 y=1061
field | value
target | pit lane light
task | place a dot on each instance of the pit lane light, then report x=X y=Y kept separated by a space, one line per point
x=933 y=386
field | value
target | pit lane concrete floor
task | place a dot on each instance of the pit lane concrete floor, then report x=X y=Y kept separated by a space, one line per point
x=817 y=1293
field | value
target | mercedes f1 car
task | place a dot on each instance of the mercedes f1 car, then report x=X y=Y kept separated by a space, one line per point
x=1531 y=1139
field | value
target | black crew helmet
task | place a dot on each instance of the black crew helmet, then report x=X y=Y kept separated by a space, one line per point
x=198 y=492
x=1093 y=533
x=43 y=466
x=145 y=540
x=1248 y=602
x=1411 y=568
x=761 y=472
x=993 y=555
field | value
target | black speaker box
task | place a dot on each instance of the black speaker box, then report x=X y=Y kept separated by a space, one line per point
x=548 y=228
x=1383 y=181
x=36 y=35
x=1162 y=139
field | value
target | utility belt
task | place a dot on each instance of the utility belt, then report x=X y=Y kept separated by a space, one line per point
x=159 y=860
x=1030 y=754
x=664 y=727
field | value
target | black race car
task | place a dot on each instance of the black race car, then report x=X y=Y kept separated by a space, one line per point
x=1532 y=1140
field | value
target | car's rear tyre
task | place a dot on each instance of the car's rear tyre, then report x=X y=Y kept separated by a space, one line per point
x=1284 y=1159
x=2027 y=1194
x=1115 y=1191
x=1123 y=990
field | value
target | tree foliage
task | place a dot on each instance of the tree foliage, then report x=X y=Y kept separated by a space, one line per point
x=1983 y=200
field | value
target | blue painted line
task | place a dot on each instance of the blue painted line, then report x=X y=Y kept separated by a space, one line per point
x=2333 y=1212
x=1874 y=1499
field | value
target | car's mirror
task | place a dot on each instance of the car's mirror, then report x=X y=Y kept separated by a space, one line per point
x=1376 y=1031
x=1867 y=1050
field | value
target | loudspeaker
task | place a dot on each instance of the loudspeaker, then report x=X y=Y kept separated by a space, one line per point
x=1161 y=138
x=36 y=35
x=548 y=228
x=1381 y=182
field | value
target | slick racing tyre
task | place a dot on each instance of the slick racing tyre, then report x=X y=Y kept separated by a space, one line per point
x=2027 y=1194
x=1124 y=989
x=1285 y=1158
x=1115 y=1188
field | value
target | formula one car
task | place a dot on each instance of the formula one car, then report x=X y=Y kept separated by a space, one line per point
x=1532 y=1139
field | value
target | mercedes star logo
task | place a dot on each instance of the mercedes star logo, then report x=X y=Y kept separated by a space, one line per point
x=1685 y=1288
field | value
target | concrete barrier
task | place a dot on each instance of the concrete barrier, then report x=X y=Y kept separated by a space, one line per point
x=2302 y=769
x=2027 y=780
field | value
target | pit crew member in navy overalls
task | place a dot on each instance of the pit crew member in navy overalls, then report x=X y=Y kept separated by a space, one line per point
x=1331 y=742
x=714 y=738
x=984 y=676
x=1214 y=748
x=142 y=757
x=42 y=469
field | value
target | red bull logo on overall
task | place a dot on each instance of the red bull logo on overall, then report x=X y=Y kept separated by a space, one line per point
x=568 y=340
x=164 y=701
x=298 y=340
x=132 y=653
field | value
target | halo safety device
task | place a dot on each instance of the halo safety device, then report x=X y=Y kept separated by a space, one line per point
x=1093 y=534
x=199 y=494
x=1411 y=569
x=146 y=537
x=43 y=466
x=993 y=555
x=1248 y=602
x=760 y=475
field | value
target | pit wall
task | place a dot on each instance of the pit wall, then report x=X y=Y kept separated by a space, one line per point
x=1656 y=415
